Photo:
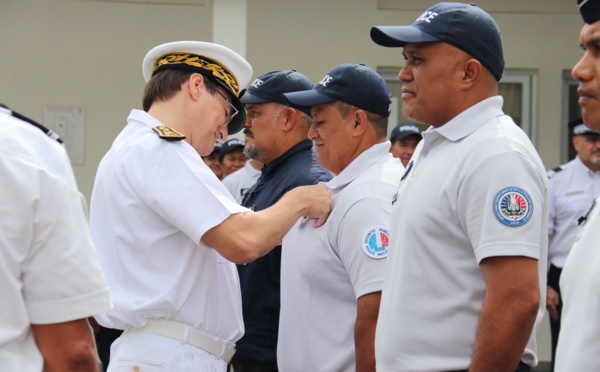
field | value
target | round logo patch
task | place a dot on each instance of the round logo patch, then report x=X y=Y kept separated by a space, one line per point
x=376 y=241
x=513 y=206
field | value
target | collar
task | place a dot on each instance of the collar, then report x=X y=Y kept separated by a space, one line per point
x=304 y=145
x=468 y=121
x=584 y=168
x=144 y=118
x=360 y=165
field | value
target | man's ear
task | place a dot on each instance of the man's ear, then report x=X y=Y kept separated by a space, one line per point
x=290 y=118
x=195 y=86
x=472 y=70
x=361 y=123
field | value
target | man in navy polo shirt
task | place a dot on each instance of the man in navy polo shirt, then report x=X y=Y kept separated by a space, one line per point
x=276 y=135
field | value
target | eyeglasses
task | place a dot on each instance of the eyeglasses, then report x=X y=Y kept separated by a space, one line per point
x=234 y=111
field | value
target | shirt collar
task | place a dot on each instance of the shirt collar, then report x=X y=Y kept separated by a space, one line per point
x=143 y=117
x=300 y=146
x=471 y=119
x=359 y=165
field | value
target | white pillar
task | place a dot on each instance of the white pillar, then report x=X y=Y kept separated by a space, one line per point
x=229 y=24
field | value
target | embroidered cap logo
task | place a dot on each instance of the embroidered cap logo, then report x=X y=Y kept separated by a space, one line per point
x=326 y=80
x=427 y=17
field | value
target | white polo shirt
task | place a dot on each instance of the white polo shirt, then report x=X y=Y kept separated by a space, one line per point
x=476 y=188
x=572 y=192
x=325 y=270
x=579 y=341
x=152 y=201
x=239 y=182
x=49 y=271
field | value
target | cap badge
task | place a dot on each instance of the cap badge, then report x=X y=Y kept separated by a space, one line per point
x=376 y=242
x=167 y=133
x=217 y=70
x=513 y=206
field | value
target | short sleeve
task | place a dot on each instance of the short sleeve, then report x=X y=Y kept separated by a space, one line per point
x=62 y=277
x=502 y=204
x=362 y=243
x=196 y=202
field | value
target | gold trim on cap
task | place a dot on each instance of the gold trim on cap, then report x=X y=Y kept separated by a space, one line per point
x=218 y=71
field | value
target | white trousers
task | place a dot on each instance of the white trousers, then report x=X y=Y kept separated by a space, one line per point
x=147 y=352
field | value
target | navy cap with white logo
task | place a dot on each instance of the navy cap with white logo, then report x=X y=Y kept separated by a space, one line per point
x=271 y=86
x=590 y=10
x=356 y=85
x=404 y=130
x=465 y=26
x=230 y=145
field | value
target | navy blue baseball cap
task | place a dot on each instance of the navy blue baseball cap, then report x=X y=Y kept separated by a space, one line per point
x=404 y=130
x=590 y=10
x=230 y=145
x=356 y=85
x=271 y=86
x=465 y=26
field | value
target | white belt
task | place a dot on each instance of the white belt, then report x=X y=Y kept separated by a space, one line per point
x=188 y=335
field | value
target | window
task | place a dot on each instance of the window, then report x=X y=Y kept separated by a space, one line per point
x=516 y=88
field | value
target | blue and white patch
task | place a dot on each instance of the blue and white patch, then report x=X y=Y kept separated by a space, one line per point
x=513 y=206
x=376 y=241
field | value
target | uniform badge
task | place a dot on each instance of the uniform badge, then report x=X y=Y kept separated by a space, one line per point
x=376 y=241
x=513 y=206
x=167 y=133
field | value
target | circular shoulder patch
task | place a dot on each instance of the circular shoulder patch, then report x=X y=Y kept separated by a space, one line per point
x=376 y=241
x=513 y=206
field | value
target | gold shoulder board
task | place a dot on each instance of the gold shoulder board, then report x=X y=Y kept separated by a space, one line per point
x=167 y=133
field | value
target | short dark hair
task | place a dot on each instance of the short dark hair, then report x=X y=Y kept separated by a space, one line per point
x=378 y=122
x=163 y=85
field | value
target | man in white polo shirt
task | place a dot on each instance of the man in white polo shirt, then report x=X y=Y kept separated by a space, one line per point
x=579 y=341
x=167 y=230
x=331 y=278
x=466 y=275
x=573 y=188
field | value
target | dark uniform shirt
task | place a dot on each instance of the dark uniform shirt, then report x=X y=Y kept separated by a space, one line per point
x=259 y=280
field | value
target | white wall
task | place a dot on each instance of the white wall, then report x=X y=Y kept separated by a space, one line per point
x=89 y=52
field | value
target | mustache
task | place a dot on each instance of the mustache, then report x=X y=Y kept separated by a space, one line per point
x=248 y=132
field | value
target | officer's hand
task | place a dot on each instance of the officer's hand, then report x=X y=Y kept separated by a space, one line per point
x=552 y=301
x=318 y=203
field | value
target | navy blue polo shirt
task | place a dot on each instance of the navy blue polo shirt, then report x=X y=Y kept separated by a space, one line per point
x=259 y=280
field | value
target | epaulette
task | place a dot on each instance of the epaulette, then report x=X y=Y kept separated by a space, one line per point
x=552 y=172
x=47 y=131
x=167 y=133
